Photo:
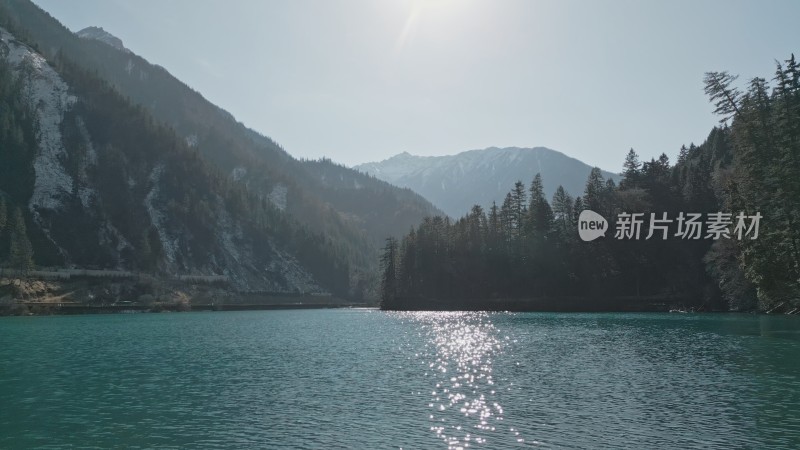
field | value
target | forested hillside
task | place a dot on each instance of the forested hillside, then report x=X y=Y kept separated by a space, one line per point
x=89 y=180
x=241 y=155
x=529 y=247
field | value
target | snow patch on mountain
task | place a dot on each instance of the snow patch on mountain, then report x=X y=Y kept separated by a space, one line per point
x=91 y=153
x=278 y=196
x=238 y=173
x=86 y=193
x=287 y=272
x=49 y=97
x=191 y=140
x=228 y=235
x=158 y=218
x=109 y=235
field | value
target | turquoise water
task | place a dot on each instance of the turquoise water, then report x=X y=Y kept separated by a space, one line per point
x=370 y=379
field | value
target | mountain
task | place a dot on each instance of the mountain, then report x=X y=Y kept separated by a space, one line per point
x=455 y=183
x=300 y=192
x=91 y=181
x=98 y=33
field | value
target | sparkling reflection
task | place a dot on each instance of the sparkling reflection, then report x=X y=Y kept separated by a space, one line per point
x=465 y=410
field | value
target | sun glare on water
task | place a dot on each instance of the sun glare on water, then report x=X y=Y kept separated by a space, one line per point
x=465 y=408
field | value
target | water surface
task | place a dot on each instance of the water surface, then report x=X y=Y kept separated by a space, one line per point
x=370 y=379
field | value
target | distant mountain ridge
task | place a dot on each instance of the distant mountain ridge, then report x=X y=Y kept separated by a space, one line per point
x=454 y=183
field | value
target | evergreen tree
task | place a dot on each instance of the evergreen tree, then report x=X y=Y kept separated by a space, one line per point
x=145 y=254
x=750 y=167
x=407 y=270
x=563 y=207
x=593 y=194
x=725 y=98
x=494 y=222
x=540 y=214
x=577 y=209
x=21 y=252
x=389 y=274
x=631 y=170
x=508 y=223
x=518 y=208
x=477 y=229
x=3 y=214
x=763 y=179
x=683 y=153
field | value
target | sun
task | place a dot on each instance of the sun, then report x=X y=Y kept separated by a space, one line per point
x=436 y=10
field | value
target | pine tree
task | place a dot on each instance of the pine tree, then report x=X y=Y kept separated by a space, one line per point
x=518 y=207
x=3 y=214
x=145 y=253
x=389 y=274
x=663 y=162
x=726 y=99
x=683 y=153
x=632 y=170
x=407 y=267
x=609 y=199
x=563 y=205
x=764 y=179
x=540 y=214
x=507 y=222
x=21 y=253
x=477 y=225
x=751 y=166
x=593 y=194
x=577 y=209
x=494 y=228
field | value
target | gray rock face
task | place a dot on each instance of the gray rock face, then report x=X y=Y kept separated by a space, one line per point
x=99 y=34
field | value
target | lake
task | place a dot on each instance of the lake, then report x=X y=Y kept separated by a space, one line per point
x=350 y=378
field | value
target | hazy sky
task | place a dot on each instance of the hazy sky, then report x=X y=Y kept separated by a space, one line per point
x=362 y=80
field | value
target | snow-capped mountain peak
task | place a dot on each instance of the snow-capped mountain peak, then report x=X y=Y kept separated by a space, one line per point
x=456 y=182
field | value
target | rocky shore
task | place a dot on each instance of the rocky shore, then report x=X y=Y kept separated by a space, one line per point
x=25 y=296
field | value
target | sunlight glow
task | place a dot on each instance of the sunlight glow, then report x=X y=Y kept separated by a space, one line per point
x=438 y=11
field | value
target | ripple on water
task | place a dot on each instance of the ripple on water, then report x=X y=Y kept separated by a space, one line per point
x=368 y=379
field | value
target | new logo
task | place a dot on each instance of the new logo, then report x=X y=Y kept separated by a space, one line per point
x=591 y=225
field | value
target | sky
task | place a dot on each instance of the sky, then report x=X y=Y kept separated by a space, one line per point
x=362 y=80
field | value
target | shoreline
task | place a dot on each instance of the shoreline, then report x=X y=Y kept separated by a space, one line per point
x=29 y=296
x=564 y=304
x=54 y=309
x=85 y=295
